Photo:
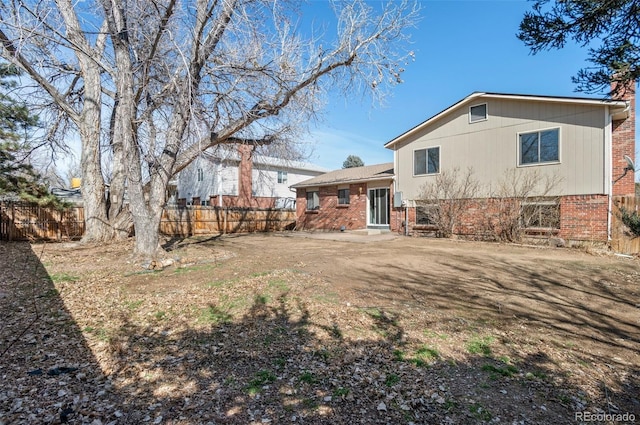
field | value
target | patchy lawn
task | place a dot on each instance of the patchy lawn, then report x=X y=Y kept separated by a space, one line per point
x=288 y=329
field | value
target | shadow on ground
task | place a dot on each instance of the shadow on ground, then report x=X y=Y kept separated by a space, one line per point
x=49 y=373
x=278 y=363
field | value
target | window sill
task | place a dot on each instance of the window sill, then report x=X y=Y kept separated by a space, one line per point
x=539 y=164
x=541 y=231
x=342 y=206
x=425 y=227
x=312 y=212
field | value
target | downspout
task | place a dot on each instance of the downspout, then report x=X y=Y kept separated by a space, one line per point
x=608 y=156
x=406 y=219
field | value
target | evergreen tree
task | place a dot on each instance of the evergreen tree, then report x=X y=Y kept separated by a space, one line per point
x=352 y=161
x=18 y=179
x=613 y=24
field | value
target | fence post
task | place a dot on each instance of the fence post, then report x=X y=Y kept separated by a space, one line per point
x=13 y=221
x=224 y=222
x=59 y=227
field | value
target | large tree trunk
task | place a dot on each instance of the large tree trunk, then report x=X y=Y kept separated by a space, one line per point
x=97 y=224
x=175 y=81
x=147 y=225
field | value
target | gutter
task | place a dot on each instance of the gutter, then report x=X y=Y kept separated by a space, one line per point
x=338 y=182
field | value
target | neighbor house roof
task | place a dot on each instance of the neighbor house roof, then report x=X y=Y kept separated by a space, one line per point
x=619 y=108
x=350 y=175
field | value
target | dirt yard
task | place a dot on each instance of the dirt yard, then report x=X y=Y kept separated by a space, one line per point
x=294 y=328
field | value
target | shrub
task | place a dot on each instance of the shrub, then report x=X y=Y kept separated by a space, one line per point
x=631 y=219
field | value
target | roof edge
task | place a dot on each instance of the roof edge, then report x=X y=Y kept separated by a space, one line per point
x=618 y=104
x=346 y=181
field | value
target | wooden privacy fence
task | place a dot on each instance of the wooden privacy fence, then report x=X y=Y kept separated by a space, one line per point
x=203 y=220
x=26 y=221
x=621 y=239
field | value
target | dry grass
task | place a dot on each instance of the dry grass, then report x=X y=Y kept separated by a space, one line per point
x=272 y=329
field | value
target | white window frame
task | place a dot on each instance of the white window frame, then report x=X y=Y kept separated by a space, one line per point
x=200 y=174
x=283 y=177
x=348 y=198
x=539 y=163
x=486 y=113
x=315 y=198
x=427 y=173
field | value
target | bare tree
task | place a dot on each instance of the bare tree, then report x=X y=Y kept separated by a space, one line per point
x=150 y=84
x=448 y=196
x=522 y=199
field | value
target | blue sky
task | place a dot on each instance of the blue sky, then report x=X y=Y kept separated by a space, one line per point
x=460 y=47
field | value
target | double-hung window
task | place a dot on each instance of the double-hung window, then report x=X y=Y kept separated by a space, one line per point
x=313 y=201
x=539 y=147
x=200 y=174
x=426 y=161
x=282 y=177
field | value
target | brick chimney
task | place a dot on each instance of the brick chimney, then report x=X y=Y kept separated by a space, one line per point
x=245 y=171
x=624 y=143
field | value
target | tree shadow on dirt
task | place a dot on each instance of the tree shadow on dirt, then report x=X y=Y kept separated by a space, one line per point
x=276 y=363
x=49 y=373
x=593 y=321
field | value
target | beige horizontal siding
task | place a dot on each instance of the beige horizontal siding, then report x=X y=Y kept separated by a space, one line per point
x=491 y=147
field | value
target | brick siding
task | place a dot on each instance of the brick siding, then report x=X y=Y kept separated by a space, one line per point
x=331 y=216
x=582 y=218
x=624 y=143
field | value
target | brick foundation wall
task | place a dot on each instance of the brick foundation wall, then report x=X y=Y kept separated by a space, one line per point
x=582 y=218
x=397 y=218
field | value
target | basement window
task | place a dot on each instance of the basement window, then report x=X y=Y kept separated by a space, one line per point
x=540 y=215
x=426 y=213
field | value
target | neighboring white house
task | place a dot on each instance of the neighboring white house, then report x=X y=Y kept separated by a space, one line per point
x=222 y=179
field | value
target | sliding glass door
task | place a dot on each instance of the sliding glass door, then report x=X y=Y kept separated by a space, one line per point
x=379 y=207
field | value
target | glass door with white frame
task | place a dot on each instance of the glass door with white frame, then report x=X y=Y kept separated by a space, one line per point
x=379 y=207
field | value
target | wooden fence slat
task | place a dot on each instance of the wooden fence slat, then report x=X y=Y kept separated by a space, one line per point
x=621 y=240
x=23 y=221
